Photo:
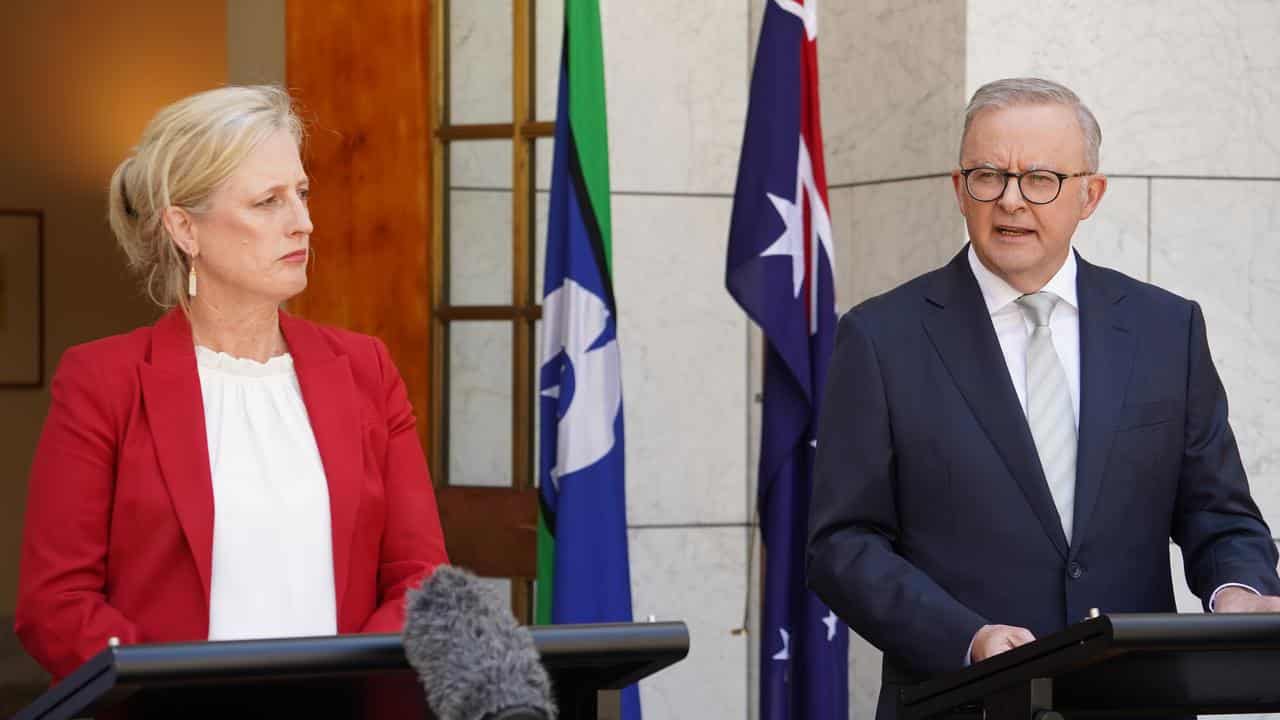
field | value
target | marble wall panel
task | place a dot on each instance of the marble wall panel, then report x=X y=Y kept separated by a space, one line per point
x=479 y=247
x=543 y=149
x=1187 y=601
x=840 y=207
x=698 y=575
x=479 y=402
x=1208 y=98
x=480 y=164
x=684 y=361
x=548 y=37
x=886 y=234
x=1218 y=242
x=891 y=74
x=499 y=589
x=755 y=410
x=1116 y=235
x=541 y=208
x=755 y=16
x=480 y=61
x=754 y=580
x=864 y=678
x=677 y=93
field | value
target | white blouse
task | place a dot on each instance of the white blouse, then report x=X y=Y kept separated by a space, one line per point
x=272 y=544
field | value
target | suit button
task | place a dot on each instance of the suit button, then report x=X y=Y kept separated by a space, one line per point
x=1075 y=571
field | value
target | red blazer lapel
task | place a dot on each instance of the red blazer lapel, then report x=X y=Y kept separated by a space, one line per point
x=329 y=393
x=175 y=413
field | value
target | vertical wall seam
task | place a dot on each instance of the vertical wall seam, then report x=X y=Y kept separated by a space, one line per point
x=1150 y=181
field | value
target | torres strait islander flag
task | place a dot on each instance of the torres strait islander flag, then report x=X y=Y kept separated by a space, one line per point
x=779 y=270
x=583 y=569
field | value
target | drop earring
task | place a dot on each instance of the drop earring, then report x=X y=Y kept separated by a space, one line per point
x=191 y=280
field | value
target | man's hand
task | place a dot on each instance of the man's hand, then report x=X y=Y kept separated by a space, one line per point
x=1240 y=600
x=995 y=639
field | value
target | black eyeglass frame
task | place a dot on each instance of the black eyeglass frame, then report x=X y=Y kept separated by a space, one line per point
x=1062 y=177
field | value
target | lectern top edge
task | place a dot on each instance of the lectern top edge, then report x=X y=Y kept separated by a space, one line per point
x=1124 y=633
x=1120 y=665
x=1093 y=629
x=586 y=656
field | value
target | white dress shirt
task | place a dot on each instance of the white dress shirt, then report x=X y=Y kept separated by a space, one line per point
x=1013 y=331
x=1013 y=327
x=272 y=543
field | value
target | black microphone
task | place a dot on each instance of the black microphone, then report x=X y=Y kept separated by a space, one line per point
x=473 y=660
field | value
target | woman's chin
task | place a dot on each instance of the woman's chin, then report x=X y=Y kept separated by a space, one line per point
x=285 y=291
x=295 y=290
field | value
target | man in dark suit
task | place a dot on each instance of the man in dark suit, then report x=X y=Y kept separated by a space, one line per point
x=1012 y=439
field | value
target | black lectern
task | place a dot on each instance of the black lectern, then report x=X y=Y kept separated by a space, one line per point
x=1118 y=666
x=350 y=676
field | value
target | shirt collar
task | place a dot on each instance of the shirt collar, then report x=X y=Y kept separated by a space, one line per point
x=998 y=294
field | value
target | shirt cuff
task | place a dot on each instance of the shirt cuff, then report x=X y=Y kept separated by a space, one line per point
x=1213 y=599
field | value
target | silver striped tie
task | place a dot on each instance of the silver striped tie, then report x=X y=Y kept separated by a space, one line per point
x=1049 y=412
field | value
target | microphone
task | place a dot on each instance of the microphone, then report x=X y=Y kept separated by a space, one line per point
x=472 y=658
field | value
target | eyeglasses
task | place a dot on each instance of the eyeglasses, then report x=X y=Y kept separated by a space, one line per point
x=1038 y=187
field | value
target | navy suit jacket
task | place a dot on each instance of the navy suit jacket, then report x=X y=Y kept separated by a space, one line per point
x=931 y=516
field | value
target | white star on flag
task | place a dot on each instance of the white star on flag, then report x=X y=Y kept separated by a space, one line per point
x=785 y=652
x=792 y=240
x=830 y=622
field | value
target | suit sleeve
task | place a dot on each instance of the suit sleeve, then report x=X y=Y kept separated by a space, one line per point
x=1223 y=537
x=62 y=615
x=413 y=542
x=852 y=563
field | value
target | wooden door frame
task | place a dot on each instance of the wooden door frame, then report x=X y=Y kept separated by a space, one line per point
x=372 y=81
x=512 y=550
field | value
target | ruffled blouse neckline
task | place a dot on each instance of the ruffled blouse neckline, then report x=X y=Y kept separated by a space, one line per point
x=244 y=367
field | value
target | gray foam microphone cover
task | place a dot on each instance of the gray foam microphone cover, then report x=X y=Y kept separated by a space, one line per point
x=473 y=660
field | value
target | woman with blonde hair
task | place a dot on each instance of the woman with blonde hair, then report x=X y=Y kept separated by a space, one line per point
x=232 y=471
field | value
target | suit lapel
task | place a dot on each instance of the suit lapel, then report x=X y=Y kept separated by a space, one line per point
x=962 y=333
x=175 y=412
x=1106 y=360
x=329 y=393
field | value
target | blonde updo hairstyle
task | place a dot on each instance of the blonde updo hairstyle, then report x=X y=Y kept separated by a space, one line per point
x=187 y=150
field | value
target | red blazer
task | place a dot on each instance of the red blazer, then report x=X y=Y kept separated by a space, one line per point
x=119 y=524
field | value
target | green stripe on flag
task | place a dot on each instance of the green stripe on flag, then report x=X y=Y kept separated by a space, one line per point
x=587 y=112
x=546 y=572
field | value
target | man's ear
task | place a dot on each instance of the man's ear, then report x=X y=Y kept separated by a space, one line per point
x=1095 y=188
x=180 y=226
x=957 y=183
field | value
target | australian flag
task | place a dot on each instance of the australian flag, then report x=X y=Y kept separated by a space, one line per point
x=780 y=271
